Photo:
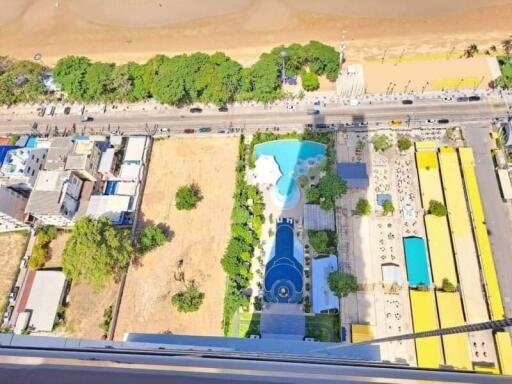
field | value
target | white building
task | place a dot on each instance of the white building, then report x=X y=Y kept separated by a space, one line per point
x=136 y=147
x=22 y=165
x=115 y=207
x=12 y=210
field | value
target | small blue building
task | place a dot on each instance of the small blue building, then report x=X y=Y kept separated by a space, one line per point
x=354 y=174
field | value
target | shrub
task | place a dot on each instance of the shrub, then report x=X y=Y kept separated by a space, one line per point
x=363 y=207
x=46 y=234
x=437 y=208
x=313 y=195
x=381 y=142
x=107 y=319
x=341 y=284
x=404 y=143
x=240 y=215
x=448 y=286
x=38 y=257
x=309 y=81
x=388 y=207
x=187 y=197
x=151 y=237
x=188 y=300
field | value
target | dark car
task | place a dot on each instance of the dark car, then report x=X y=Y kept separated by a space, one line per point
x=223 y=109
x=204 y=129
x=322 y=126
x=443 y=121
x=462 y=99
x=474 y=98
x=407 y=102
x=67 y=110
x=14 y=293
x=188 y=130
x=196 y=110
x=313 y=112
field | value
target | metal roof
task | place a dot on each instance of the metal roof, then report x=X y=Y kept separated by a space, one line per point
x=323 y=298
x=354 y=174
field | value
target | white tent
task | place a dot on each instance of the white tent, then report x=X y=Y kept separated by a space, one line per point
x=267 y=170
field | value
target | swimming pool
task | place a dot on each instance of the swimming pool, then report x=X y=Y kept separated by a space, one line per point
x=416 y=261
x=294 y=157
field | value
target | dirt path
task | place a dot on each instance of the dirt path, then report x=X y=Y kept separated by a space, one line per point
x=199 y=238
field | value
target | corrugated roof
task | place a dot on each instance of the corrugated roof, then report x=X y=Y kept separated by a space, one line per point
x=135 y=148
x=106 y=161
x=317 y=219
x=355 y=174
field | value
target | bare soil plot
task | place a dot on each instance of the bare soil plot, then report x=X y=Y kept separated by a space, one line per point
x=55 y=250
x=199 y=238
x=12 y=246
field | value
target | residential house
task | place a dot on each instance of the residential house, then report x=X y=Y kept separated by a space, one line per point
x=21 y=165
x=12 y=210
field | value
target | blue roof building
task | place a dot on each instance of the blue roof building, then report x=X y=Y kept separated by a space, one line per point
x=3 y=151
x=354 y=174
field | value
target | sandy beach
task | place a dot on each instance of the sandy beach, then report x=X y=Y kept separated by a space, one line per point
x=124 y=30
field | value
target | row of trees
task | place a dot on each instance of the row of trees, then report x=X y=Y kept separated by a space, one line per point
x=44 y=236
x=246 y=224
x=185 y=79
x=20 y=81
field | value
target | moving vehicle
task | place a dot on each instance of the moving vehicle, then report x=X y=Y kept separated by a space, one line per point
x=221 y=131
x=204 y=129
x=395 y=122
x=447 y=99
x=474 y=98
x=354 y=102
x=188 y=130
x=407 y=102
x=443 y=121
x=431 y=121
x=462 y=99
x=313 y=112
x=196 y=110
x=164 y=130
x=223 y=109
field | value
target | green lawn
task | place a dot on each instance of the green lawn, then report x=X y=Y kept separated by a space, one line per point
x=249 y=324
x=323 y=327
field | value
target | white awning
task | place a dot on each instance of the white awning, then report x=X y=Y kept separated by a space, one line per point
x=267 y=170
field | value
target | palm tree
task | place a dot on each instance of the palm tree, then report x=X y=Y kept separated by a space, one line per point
x=492 y=49
x=471 y=51
x=507 y=46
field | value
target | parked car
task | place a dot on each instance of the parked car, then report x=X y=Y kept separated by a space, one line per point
x=223 y=109
x=14 y=293
x=395 y=122
x=313 y=112
x=474 y=98
x=8 y=313
x=164 y=130
x=407 y=102
x=443 y=121
x=322 y=126
x=431 y=121
x=447 y=99
x=462 y=99
x=85 y=119
x=188 y=130
x=67 y=110
x=204 y=129
x=196 y=110
x=221 y=131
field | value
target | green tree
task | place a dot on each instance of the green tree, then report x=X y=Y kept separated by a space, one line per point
x=313 y=195
x=322 y=59
x=187 y=197
x=342 y=284
x=98 y=79
x=381 y=142
x=437 y=208
x=151 y=237
x=188 y=300
x=448 y=286
x=471 y=50
x=404 y=143
x=388 y=207
x=309 y=81
x=46 y=234
x=96 y=251
x=69 y=73
x=107 y=319
x=265 y=78
x=323 y=241
x=331 y=187
x=363 y=207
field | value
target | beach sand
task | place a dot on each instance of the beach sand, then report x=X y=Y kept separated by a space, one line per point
x=124 y=30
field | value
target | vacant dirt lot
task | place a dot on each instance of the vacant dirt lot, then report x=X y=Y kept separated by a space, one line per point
x=199 y=238
x=12 y=246
x=85 y=306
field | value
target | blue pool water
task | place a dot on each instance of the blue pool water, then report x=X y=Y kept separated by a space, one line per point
x=416 y=261
x=293 y=157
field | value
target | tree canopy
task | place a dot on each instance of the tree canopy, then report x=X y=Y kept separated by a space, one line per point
x=151 y=237
x=331 y=187
x=437 y=208
x=404 y=143
x=96 y=251
x=363 y=207
x=187 y=197
x=323 y=241
x=381 y=142
x=309 y=81
x=388 y=207
x=189 y=299
x=342 y=284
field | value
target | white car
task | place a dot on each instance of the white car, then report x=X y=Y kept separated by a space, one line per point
x=430 y=121
x=447 y=99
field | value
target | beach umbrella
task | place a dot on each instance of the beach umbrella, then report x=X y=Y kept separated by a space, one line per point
x=267 y=170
